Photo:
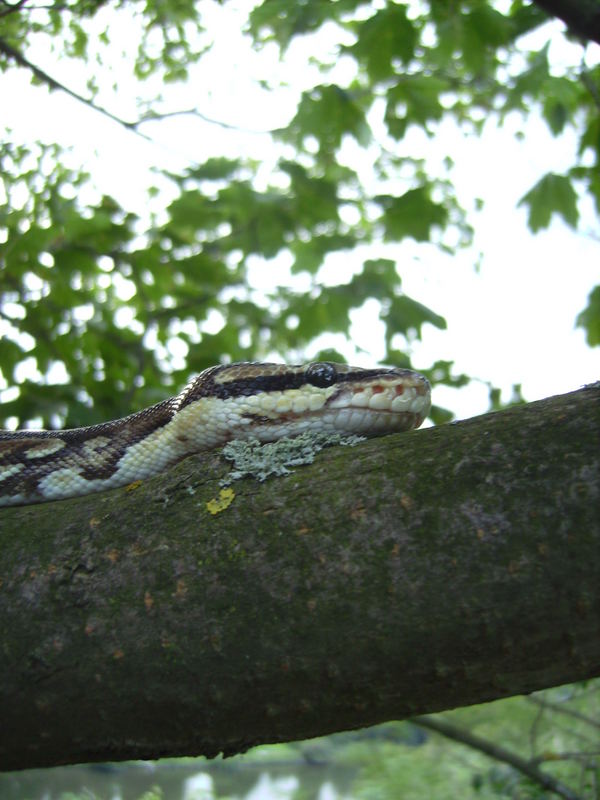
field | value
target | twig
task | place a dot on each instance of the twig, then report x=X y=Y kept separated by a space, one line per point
x=154 y=116
x=497 y=752
x=20 y=59
x=43 y=76
x=568 y=711
x=567 y=756
x=10 y=9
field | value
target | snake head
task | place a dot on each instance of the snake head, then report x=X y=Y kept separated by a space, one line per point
x=270 y=401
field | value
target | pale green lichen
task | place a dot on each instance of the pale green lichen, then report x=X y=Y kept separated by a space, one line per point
x=251 y=458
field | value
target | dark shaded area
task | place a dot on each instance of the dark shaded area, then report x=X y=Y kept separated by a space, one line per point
x=582 y=17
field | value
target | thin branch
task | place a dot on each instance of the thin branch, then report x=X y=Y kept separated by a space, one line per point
x=497 y=752
x=52 y=83
x=567 y=756
x=561 y=710
x=155 y=116
x=10 y=9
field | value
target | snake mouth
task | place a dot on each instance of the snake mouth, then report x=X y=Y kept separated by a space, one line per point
x=355 y=410
x=382 y=397
x=348 y=421
x=386 y=405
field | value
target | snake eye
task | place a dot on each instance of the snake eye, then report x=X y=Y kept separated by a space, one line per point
x=321 y=374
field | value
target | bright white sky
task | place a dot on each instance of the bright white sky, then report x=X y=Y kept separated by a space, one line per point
x=511 y=321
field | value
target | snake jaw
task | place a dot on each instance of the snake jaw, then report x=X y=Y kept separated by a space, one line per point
x=394 y=400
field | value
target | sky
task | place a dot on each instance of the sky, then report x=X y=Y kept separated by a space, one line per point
x=511 y=314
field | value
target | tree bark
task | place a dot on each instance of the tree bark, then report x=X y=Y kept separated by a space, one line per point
x=410 y=574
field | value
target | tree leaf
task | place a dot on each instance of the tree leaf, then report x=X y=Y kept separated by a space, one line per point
x=405 y=315
x=384 y=39
x=589 y=318
x=412 y=214
x=553 y=194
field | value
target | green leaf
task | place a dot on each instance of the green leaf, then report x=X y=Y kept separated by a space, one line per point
x=214 y=169
x=379 y=278
x=553 y=194
x=488 y=26
x=589 y=318
x=412 y=214
x=441 y=372
x=405 y=315
x=310 y=254
x=384 y=39
x=314 y=198
x=281 y=20
x=328 y=113
x=561 y=101
x=414 y=100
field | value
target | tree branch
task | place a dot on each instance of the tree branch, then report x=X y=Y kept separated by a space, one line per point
x=11 y=8
x=411 y=574
x=582 y=17
x=52 y=83
x=497 y=752
x=152 y=116
x=561 y=709
x=157 y=116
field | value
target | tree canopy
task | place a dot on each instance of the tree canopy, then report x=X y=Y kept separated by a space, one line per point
x=106 y=298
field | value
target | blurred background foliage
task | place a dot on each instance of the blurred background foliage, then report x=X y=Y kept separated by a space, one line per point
x=104 y=312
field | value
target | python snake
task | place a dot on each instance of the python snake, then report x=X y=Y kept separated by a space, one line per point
x=237 y=401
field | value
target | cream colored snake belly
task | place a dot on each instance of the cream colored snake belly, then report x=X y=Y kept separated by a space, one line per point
x=237 y=401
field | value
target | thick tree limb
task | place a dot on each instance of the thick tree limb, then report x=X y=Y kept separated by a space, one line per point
x=582 y=17
x=411 y=574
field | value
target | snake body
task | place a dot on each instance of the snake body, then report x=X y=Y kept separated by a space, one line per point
x=236 y=401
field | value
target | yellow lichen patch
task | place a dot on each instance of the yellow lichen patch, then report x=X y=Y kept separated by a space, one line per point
x=225 y=499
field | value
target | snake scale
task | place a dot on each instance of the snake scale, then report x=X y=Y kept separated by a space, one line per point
x=236 y=401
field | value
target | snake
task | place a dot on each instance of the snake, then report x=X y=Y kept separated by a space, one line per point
x=246 y=400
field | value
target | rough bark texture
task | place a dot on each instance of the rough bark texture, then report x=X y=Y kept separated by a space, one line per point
x=410 y=574
x=582 y=17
